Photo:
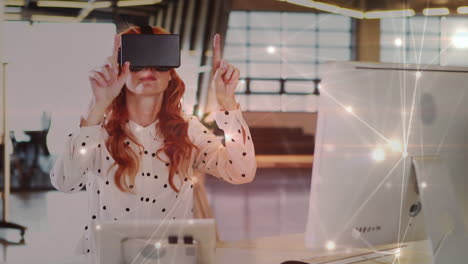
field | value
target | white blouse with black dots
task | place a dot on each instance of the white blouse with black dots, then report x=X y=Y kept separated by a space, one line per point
x=85 y=161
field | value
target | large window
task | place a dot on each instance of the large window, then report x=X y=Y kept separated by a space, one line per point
x=424 y=40
x=281 y=56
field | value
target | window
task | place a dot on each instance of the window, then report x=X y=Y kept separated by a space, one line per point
x=424 y=40
x=277 y=52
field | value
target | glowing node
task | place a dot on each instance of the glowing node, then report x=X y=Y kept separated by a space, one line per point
x=405 y=154
x=98 y=227
x=378 y=154
x=398 y=42
x=271 y=49
x=191 y=222
x=227 y=137
x=157 y=245
x=396 y=146
x=418 y=74
x=83 y=151
x=423 y=185
x=330 y=245
x=460 y=39
x=329 y=147
x=397 y=253
x=349 y=109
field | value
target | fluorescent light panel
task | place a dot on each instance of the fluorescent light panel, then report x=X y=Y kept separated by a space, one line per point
x=436 y=11
x=137 y=2
x=14 y=2
x=390 y=13
x=63 y=4
x=43 y=18
x=13 y=17
x=305 y=3
x=12 y=9
x=328 y=8
x=462 y=10
x=74 y=4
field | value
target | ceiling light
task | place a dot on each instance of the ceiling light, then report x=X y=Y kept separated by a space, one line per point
x=305 y=3
x=462 y=10
x=326 y=7
x=137 y=2
x=351 y=13
x=14 y=2
x=63 y=4
x=13 y=17
x=436 y=11
x=43 y=18
x=389 y=13
x=102 y=4
x=12 y=9
x=74 y=4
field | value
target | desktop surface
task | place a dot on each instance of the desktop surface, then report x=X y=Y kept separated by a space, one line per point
x=279 y=249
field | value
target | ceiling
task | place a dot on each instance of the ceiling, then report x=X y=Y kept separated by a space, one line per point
x=361 y=5
x=142 y=12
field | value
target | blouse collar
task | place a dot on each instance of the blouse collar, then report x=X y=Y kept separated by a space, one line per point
x=141 y=129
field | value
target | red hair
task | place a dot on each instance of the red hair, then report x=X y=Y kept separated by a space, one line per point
x=171 y=126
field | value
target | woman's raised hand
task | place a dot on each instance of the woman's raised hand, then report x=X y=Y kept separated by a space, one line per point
x=225 y=78
x=106 y=82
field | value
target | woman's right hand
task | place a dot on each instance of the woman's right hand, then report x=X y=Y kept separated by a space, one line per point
x=106 y=82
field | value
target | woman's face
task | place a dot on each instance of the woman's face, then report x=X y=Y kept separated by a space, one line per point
x=148 y=81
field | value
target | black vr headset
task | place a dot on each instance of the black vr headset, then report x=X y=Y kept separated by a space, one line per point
x=147 y=50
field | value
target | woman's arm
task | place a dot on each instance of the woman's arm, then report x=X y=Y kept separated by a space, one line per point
x=235 y=162
x=70 y=171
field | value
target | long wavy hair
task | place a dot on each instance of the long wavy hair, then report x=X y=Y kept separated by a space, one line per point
x=171 y=126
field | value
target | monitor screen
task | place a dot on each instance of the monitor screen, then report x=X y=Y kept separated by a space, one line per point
x=380 y=127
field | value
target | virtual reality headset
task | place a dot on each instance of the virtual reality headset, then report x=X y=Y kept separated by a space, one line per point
x=147 y=50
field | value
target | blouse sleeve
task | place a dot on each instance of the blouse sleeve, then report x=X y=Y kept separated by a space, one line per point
x=70 y=171
x=235 y=162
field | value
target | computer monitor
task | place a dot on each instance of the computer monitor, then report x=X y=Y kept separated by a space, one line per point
x=391 y=159
x=183 y=241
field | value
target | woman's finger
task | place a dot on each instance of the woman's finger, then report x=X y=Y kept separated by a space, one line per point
x=105 y=72
x=96 y=82
x=112 y=73
x=235 y=76
x=99 y=77
x=229 y=72
x=114 y=64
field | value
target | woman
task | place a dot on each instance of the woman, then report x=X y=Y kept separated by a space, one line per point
x=136 y=151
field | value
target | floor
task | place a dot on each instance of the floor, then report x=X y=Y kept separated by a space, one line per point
x=276 y=202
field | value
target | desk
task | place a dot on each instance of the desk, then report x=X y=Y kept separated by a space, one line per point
x=272 y=250
x=284 y=161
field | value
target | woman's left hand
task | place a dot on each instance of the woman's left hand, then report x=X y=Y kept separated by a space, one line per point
x=225 y=78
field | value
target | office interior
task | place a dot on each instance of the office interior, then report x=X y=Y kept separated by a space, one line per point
x=281 y=48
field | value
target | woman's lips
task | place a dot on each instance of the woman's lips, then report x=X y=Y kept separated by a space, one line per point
x=147 y=79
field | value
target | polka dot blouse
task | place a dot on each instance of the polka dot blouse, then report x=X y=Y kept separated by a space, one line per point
x=85 y=162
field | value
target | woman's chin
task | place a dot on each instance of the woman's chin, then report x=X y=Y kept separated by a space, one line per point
x=146 y=88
